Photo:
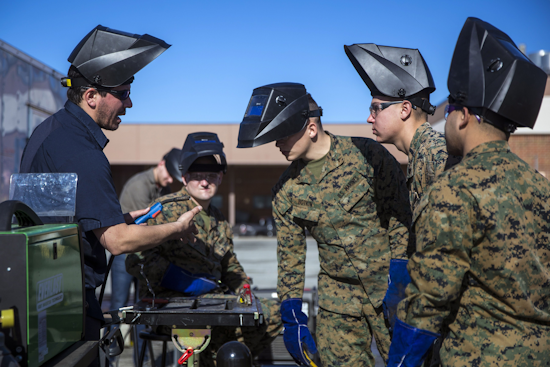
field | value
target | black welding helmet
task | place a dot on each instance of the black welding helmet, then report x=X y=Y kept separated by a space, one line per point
x=394 y=72
x=201 y=145
x=275 y=111
x=234 y=354
x=109 y=58
x=172 y=162
x=492 y=77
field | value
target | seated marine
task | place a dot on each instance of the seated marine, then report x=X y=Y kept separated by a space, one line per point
x=181 y=269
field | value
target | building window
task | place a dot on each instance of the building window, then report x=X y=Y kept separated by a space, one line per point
x=217 y=201
x=262 y=201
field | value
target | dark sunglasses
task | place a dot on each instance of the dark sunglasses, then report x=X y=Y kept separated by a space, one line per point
x=120 y=94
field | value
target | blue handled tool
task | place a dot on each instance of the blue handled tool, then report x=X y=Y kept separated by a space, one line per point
x=153 y=212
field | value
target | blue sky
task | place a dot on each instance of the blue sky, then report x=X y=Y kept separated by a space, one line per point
x=222 y=50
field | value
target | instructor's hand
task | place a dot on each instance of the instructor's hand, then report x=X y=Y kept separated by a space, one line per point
x=129 y=218
x=188 y=229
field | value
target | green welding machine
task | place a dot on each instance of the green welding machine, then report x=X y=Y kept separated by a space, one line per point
x=41 y=285
x=42 y=297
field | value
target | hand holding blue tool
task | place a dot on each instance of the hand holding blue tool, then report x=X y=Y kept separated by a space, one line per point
x=153 y=212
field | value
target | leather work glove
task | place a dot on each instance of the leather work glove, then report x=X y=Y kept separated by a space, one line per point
x=409 y=345
x=297 y=338
x=181 y=280
x=397 y=283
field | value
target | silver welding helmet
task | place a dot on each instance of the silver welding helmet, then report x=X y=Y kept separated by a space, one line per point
x=393 y=72
x=275 y=111
x=198 y=145
x=172 y=161
x=492 y=77
x=109 y=58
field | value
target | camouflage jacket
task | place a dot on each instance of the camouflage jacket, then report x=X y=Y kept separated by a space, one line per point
x=358 y=212
x=212 y=253
x=483 y=251
x=428 y=158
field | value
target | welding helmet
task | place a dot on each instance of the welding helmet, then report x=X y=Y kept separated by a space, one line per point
x=108 y=58
x=394 y=72
x=494 y=79
x=201 y=145
x=172 y=161
x=275 y=111
x=234 y=354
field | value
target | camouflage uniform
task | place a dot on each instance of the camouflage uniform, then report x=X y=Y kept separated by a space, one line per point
x=428 y=158
x=211 y=254
x=483 y=260
x=358 y=212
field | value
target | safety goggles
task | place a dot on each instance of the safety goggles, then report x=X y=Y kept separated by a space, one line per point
x=451 y=107
x=120 y=94
x=199 y=176
x=375 y=109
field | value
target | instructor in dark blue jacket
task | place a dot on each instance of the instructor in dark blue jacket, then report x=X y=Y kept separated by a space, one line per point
x=72 y=140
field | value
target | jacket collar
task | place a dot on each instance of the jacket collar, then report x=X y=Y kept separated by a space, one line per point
x=91 y=126
x=416 y=141
x=333 y=159
x=489 y=147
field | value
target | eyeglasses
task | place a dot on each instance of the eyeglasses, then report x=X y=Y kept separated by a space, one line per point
x=196 y=176
x=451 y=107
x=375 y=109
x=120 y=94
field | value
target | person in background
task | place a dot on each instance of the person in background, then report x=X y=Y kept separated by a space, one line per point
x=138 y=192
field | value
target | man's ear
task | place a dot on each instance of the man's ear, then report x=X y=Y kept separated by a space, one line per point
x=406 y=109
x=183 y=180
x=162 y=163
x=464 y=118
x=90 y=97
x=312 y=128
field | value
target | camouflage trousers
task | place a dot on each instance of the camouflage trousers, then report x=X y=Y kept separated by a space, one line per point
x=344 y=340
x=484 y=342
x=255 y=338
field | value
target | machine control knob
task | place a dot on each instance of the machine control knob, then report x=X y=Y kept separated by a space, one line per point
x=7 y=318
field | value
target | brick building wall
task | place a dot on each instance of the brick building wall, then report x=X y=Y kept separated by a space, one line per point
x=251 y=184
x=533 y=149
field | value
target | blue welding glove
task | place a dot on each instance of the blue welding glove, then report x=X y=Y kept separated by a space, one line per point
x=409 y=345
x=189 y=284
x=397 y=283
x=297 y=338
